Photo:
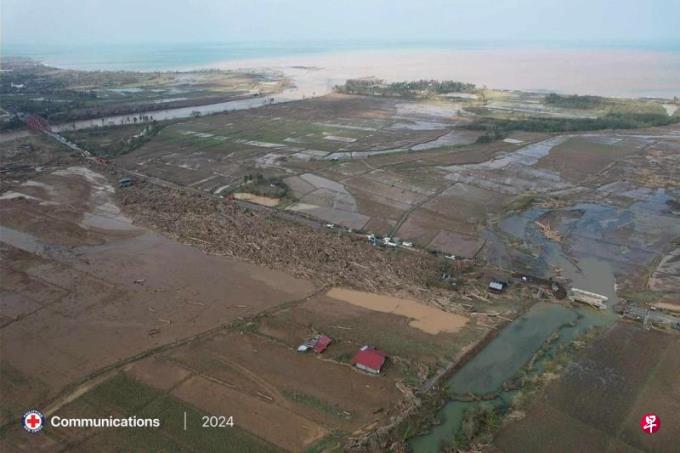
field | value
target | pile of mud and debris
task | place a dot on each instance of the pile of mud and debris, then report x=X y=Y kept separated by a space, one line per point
x=223 y=227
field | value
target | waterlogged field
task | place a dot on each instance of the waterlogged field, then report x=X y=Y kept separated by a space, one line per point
x=390 y=165
x=348 y=160
x=597 y=403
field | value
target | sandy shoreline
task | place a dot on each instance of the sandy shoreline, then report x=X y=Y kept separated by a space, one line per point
x=618 y=73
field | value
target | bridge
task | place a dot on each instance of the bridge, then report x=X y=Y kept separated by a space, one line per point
x=589 y=298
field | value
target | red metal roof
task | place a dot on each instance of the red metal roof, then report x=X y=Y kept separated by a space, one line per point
x=322 y=343
x=37 y=122
x=370 y=358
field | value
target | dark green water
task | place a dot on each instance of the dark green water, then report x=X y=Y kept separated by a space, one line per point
x=514 y=346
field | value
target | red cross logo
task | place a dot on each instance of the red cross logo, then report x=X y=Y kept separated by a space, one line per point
x=33 y=421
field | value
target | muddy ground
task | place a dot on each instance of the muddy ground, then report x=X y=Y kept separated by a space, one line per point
x=170 y=290
x=102 y=291
x=187 y=318
x=608 y=195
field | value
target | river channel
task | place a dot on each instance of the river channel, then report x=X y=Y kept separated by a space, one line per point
x=516 y=344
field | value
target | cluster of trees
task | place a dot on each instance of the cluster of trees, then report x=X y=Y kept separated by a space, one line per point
x=418 y=88
x=576 y=101
x=14 y=122
x=49 y=106
x=433 y=86
x=60 y=95
x=492 y=133
x=367 y=86
x=108 y=79
x=258 y=184
x=32 y=88
x=496 y=128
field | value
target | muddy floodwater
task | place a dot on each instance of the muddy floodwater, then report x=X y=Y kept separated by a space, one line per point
x=593 y=71
x=423 y=317
x=258 y=199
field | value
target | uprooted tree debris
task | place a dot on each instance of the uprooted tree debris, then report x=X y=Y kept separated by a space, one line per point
x=224 y=228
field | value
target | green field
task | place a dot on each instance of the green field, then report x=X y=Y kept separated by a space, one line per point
x=121 y=396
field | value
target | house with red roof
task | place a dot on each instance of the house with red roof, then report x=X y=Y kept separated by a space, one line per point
x=369 y=359
x=317 y=343
x=322 y=343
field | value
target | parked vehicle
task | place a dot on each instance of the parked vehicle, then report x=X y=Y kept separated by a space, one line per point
x=389 y=242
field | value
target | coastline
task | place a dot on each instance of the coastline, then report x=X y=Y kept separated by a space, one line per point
x=610 y=73
x=624 y=72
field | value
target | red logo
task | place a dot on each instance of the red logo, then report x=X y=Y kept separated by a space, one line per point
x=650 y=423
x=33 y=421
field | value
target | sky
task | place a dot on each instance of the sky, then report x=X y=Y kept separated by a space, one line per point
x=82 y=22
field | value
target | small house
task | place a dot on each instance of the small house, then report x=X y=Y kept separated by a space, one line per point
x=317 y=343
x=322 y=343
x=497 y=286
x=369 y=359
